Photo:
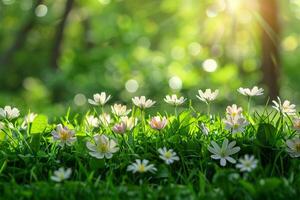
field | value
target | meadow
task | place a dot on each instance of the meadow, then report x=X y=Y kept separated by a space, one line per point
x=114 y=151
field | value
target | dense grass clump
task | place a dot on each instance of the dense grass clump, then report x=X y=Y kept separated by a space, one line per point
x=127 y=154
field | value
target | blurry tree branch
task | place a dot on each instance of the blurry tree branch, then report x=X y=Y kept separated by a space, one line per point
x=58 y=39
x=270 y=60
x=20 y=37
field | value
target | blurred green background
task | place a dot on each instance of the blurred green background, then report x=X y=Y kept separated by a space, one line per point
x=57 y=53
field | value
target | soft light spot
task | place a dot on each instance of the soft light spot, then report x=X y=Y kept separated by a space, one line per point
x=194 y=48
x=104 y=2
x=41 y=10
x=8 y=2
x=26 y=4
x=212 y=11
x=175 y=83
x=210 y=65
x=177 y=53
x=131 y=85
x=290 y=43
x=79 y=99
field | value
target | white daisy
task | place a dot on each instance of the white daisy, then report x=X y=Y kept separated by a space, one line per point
x=223 y=153
x=9 y=112
x=169 y=156
x=286 y=108
x=296 y=123
x=61 y=174
x=105 y=119
x=99 y=99
x=293 y=147
x=119 y=127
x=102 y=147
x=141 y=166
x=207 y=96
x=92 y=121
x=142 y=102
x=235 y=124
x=64 y=135
x=158 y=122
x=174 y=100
x=129 y=121
x=247 y=164
x=255 y=91
x=28 y=119
x=234 y=110
x=120 y=110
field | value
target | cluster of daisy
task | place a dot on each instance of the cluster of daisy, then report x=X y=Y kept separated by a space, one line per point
x=102 y=146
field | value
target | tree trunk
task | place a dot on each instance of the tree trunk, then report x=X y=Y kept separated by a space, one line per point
x=270 y=46
x=20 y=37
x=58 y=39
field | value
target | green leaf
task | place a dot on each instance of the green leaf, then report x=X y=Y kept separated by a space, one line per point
x=265 y=134
x=39 y=124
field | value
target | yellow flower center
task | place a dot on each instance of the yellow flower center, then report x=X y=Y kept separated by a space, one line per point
x=141 y=168
x=168 y=155
x=297 y=147
x=103 y=148
x=64 y=135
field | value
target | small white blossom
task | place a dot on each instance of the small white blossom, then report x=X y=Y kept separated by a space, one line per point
x=119 y=127
x=28 y=120
x=174 y=100
x=105 y=119
x=102 y=147
x=129 y=121
x=99 y=99
x=169 y=156
x=64 y=135
x=293 y=147
x=247 y=164
x=296 y=123
x=120 y=110
x=233 y=110
x=286 y=108
x=223 y=153
x=9 y=112
x=235 y=124
x=142 y=102
x=141 y=166
x=207 y=96
x=204 y=129
x=158 y=122
x=61 y=174
x=255 y=91
x=92 y=121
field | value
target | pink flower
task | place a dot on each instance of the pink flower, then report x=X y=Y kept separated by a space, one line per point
x=158 y=122
x=119 y=128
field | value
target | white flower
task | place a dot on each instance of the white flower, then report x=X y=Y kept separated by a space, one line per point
x=223 y=153
x=120 y=110
x=129 y=121
x=28 y=120
x=103 y=147
x=293 y=147
x=9 y=112
x=141 y=166
x=92 y=121
x=208 y=95
x=2 y=125
x=204 y=129
x=296 y=123
x=158 y=122
x=142 y=102
x=99 y=99
x=247 y=164
x=119 y=128
x=255 y=91
x=61 y=174
x=105 y=119
x=169 y=156
x=174 y=100
x=285 y=108
x=234 y=110
x=235 y=124
x=63 y=135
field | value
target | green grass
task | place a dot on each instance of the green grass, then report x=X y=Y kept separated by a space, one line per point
x=28 y=158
